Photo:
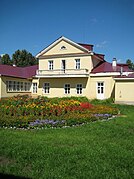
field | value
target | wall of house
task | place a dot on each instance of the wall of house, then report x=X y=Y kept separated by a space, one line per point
x=57 y=49
x=57 y=86
x=85 y=63
x=108 y=87
x=124 y=91
x=89 y=86
x=5 y=93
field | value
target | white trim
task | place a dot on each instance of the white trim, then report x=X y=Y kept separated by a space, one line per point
x=62 y=76
x=106 y=74
x=125 y=78
x=57 y=41
x=110 y=74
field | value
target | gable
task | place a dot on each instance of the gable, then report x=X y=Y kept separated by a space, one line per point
x=62 y=46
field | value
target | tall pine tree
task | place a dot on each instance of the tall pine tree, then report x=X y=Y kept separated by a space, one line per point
x=5 y=59
x=22 y=58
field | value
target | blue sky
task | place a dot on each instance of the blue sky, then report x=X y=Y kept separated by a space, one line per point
x=34 y=24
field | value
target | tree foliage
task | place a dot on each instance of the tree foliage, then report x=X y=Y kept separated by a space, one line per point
x=22 y=58
x=130 y=64
x=5 y=59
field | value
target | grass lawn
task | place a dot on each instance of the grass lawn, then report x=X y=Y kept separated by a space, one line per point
x=96 y=150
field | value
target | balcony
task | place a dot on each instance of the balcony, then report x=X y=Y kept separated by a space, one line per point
x=62 y=73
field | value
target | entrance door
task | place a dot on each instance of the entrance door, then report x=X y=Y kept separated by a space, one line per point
x=100 y=90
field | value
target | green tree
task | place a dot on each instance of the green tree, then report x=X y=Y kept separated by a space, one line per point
x=130 y=64
x=23 y=58
x=5 y=59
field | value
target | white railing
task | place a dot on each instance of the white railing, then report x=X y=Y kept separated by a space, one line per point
x=62 y=72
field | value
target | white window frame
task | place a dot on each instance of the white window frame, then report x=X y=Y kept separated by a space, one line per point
x=34 y=87
x=77 y=64
x=79 y=88
x=46 y=88
x=100 y=89
x=50 y=65
x=67 y=88
x=17 y=86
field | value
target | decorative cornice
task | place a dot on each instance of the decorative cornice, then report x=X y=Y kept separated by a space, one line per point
x=65 y=55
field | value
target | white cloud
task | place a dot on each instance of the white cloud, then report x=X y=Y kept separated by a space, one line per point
x=94 y=20
x=102 y=44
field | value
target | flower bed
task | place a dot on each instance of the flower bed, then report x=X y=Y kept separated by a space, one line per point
x=23 y=111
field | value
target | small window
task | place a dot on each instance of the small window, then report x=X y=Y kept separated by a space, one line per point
x=100 y=87
x=50 y=65
x=67 y=88
x=77 y=61
x=79 y=88
x=34 y=87
x=46 y=87
x=63 y=48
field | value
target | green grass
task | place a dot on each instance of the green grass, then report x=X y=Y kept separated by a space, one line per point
x=97 y=150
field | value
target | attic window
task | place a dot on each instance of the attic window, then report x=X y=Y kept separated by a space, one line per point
x=63 y=48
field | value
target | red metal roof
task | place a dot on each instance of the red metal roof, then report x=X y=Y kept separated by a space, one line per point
x=107 y=67
x=87 y=46
x=20 y=72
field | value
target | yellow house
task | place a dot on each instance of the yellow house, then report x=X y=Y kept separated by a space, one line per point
x=66 y=69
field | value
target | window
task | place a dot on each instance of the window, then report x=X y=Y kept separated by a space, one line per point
x=50 y=65
x=63 y=65
x=100 y=88
x=79 y=88
x=46 y=88
x=16 y=86
x=21 y=86
x=34 y=87
x=77 y=63
x=63 y=48
x=67 y=88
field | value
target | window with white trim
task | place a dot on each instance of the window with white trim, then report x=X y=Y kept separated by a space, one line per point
x=67 y=88
x=50 y=65
x=34 y=87
x=77 y=63
x=79 y=88
x=100 y=87
x=46 y=87
x=16 y=86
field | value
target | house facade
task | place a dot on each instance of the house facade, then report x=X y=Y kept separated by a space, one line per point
x=68 y=69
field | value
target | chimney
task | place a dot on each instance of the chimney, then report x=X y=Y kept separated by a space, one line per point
x=121 y=72
x=114 y=62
